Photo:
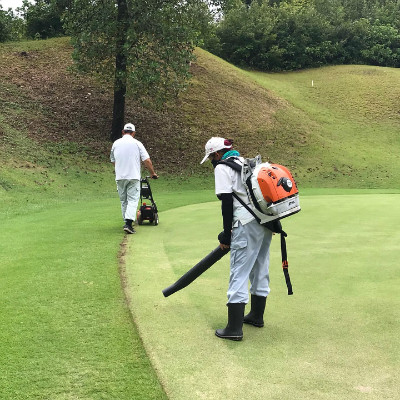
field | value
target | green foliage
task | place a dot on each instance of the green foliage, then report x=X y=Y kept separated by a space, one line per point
x=297 y=34
x=6 y=25
x=247 y=34
x=43 y=19
x=158 y=43
x=289 y=37
x=384 y=48
x=303 y=36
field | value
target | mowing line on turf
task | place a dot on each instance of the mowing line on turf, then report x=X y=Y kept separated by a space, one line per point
x=334 y=339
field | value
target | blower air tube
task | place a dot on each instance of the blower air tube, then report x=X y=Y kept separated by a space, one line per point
x=196 y=271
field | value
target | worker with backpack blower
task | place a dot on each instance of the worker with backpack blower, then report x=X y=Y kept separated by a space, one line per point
x=248 y=240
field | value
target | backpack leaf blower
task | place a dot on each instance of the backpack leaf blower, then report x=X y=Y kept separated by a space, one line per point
x=273 y=195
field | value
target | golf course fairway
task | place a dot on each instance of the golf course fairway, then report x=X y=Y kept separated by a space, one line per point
x=335 y=338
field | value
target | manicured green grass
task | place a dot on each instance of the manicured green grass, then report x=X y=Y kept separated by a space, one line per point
x=66 y=330
x=335 y=338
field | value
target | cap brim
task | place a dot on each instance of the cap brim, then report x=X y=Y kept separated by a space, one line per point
x=205 y=158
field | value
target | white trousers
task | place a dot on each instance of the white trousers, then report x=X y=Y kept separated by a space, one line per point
x=129 y=194
x=249 y=261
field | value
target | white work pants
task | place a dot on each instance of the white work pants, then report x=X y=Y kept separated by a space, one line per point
x=129 y=194
x=249 y=260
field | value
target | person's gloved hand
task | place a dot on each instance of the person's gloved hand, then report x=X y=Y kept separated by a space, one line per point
x=224 y=238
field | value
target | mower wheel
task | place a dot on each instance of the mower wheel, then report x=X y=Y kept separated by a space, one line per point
x=155 y=222
x=139 y=218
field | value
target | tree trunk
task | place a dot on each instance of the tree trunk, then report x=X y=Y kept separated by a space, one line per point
x=120 y=72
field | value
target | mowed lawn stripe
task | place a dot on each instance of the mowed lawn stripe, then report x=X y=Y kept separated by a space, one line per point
x=334 y=339
x=66 y=330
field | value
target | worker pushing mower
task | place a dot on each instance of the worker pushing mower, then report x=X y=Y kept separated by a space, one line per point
x=127 y=154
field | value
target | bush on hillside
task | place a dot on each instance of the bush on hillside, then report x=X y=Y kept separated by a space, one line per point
x=5 y=25
x=297 y=34
x=43 y=19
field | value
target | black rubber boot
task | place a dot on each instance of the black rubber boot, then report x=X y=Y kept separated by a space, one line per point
x=233 y=330
x=256 y=314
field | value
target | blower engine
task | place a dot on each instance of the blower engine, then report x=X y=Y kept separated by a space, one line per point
x=272 y=189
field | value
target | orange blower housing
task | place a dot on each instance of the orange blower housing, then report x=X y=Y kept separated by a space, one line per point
x=273 y=180
x=273 y=191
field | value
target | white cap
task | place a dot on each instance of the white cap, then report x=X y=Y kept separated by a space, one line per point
x=215 y=144
x=129 y=128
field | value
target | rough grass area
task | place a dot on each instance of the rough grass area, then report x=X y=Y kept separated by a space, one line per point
x=341 y=132
x=354 y=139
x=43 y=98
x=335 y=338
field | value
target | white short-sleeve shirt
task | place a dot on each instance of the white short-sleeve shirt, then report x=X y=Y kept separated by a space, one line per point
x=127 y=153
x=227 y=180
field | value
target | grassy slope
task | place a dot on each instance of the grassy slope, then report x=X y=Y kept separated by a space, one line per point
x=343 y=132
x=355 y=137
x=57 y=107
x=54 y=154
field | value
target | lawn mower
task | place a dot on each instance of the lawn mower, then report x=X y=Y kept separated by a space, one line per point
x=147 y=212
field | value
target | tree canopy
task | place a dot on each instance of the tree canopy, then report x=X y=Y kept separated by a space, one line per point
x=7 y=19
x=295 y=34
x=144 y=47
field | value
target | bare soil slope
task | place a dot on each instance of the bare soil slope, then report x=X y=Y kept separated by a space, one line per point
x=41 y=96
